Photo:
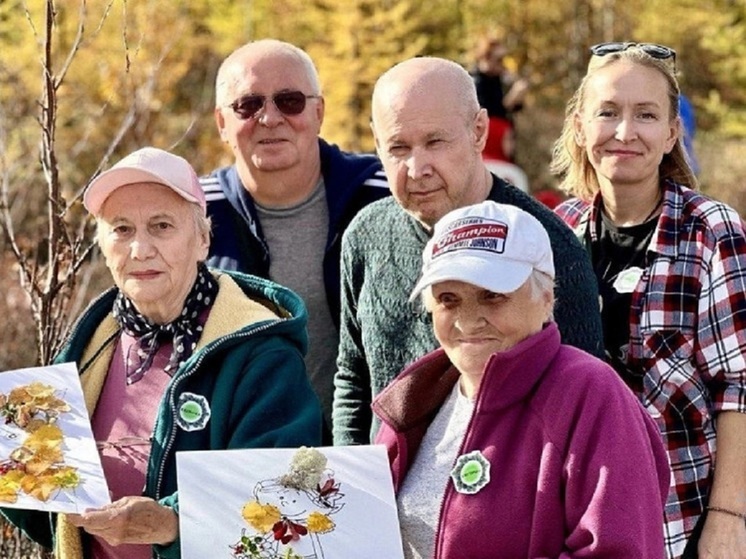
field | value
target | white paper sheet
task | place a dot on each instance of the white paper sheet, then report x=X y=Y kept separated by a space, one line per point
x=79 y=453
x=216 y=486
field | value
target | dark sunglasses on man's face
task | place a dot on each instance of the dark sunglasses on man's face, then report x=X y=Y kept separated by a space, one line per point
x=651 y=49
x=289 y=103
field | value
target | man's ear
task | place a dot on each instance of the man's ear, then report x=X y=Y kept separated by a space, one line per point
x=320 y=110
x=204 y=245
x=481 y=129
x=375 y=138
x=220 y=122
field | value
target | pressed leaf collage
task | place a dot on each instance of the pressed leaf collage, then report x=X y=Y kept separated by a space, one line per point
x=37 y=467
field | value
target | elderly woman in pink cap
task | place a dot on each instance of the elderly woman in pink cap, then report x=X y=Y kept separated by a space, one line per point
x=505 y=442
x=174 y=357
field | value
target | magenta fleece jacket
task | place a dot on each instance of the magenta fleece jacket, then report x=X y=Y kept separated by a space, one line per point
x=577 y=467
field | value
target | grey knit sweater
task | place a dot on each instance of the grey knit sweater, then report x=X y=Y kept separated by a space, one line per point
x=381 y=332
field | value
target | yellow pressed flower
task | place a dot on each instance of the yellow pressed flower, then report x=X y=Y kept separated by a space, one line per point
x=319 y=523
x=260 y=517
x=42 y=460
x=67 y=478
x=48 y=436
x=7 y=494
x=39 y=487
x=10 y=483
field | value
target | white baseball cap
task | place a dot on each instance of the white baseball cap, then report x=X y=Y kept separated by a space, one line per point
x=148 y=164
x=490 y=245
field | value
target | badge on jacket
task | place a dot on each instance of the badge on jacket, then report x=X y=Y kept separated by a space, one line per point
x=627 y=280
x=193 y=412
x=471 y=473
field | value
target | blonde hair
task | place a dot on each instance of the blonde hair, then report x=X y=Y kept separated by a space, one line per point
x=570 y=160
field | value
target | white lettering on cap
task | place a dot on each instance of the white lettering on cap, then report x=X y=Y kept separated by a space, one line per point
x=471 y=233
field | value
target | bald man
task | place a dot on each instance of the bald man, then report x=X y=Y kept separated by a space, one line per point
x=279 y=211
x=429 y=133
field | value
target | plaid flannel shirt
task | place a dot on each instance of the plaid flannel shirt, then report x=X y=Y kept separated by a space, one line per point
x=687 y=337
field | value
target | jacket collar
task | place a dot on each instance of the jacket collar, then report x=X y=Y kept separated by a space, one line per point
x=669 y=230
x=419 y=391
x=339 y=169
x=510 y=376
x=231 y=312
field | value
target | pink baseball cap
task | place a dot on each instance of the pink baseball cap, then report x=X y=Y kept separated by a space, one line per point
x=148 y=164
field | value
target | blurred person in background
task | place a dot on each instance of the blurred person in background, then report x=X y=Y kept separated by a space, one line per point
x=671 y=268
x=501 y=93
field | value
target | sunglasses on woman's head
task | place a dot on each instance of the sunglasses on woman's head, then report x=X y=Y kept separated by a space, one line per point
x=651 y=49
x=289 y=103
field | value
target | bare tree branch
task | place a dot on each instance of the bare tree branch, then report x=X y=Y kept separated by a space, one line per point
x=75 y=46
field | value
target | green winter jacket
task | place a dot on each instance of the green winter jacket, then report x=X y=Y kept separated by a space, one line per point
x=248 y=366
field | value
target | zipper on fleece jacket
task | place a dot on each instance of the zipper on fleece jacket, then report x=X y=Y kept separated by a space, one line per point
x=465 y=443
x=172 y=404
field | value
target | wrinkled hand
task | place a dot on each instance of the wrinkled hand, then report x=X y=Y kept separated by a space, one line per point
x=130 y=520
x=723 y=537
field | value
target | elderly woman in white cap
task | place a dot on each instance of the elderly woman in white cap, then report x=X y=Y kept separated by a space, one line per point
x=505 y=442
x=175 y=357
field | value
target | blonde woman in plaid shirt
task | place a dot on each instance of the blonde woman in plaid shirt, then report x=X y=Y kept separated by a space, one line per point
x=671 y=266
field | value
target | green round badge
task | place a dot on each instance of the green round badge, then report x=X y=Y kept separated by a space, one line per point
x=628 y=279
x=470 y=473
x=190 y=411
x=193 y=412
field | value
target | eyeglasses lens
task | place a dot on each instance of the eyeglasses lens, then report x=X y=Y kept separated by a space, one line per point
x=657 y=51
x=287 y=102
x=607 y=48
x=651 y=49
x=290 y=102
x=247 y=106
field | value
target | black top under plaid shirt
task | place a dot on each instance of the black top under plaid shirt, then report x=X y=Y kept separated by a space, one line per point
x=687 y=337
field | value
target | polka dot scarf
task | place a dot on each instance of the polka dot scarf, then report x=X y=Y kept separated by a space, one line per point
x=184 y=331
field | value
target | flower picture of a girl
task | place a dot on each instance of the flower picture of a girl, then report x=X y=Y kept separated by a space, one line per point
x=288 y=503
x=289 y=515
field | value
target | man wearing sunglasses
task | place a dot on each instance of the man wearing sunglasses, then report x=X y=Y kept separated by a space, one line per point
x=279 y=211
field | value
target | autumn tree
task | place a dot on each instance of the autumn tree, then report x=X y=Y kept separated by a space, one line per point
x=363 y=39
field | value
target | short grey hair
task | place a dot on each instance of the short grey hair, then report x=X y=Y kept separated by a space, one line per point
x=431 y=75
x=235 y=62
x=541 y=285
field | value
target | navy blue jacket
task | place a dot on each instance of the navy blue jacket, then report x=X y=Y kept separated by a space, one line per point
x=352 y=181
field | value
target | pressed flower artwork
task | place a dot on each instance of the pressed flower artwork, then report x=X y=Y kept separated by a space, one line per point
x=48 y=457
x=302 y=503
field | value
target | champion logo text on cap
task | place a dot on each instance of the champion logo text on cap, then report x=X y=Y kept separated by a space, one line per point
x=472 y=233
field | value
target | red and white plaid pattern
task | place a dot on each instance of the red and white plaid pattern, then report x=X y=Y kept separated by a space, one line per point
x=687 y=338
